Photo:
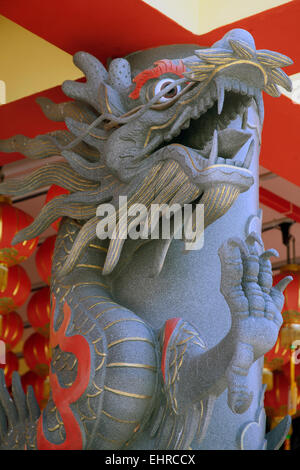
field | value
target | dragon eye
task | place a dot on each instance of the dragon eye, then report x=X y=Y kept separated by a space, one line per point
x=170 y=94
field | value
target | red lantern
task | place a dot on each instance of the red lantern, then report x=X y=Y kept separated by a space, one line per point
x=290 y=330
x=39 y=384
x=37 y=354
x=11 y=329
x=11 y=365
x=43 y=258
x=17 y=290
x=38 y=311
x=54 y=191
x=12 y=220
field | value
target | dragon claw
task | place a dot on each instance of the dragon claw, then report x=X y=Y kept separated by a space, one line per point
x=269 y=253
x=237 y=242
x=254 y=237
x=283 y=283
x=240 y=401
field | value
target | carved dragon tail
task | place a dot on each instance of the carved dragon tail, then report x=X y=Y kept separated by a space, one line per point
x=104 y=366
x=104 y=359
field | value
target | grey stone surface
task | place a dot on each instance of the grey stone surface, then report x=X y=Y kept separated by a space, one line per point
x=155 y=346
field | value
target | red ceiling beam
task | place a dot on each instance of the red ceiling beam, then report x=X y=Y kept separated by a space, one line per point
x=110 y=29
x=26 y=117
x=279 y=204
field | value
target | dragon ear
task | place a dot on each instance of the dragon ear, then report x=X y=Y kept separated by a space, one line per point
x=120 y=74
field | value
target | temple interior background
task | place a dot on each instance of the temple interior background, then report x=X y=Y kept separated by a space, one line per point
x=36 y=57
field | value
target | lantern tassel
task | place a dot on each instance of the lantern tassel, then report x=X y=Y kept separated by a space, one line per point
x=3 y=277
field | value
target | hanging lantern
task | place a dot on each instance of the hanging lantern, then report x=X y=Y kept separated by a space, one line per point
x=267 y=378
x=274 y=360
x=276 y=400
x=287 y=372
x=38 y=311
x=43 y=258
x=11 y=365
x=54 y=191
x=280 y=354
x=276 y=357
x=39 y=384
x=17 y=290
x=281 y=400
x=290 y=330
x=282 y=390
x=11 y=329
x=12 y=220
x=280 y=373
x=292 y=373
x=37 y=354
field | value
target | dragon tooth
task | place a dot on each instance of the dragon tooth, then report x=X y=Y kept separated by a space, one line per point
x=201 y=106
x=227 y=83
x=251 y=91
x=245 y=119
x=221 y=95
x=195 y=113
x=214 y=149
x=220 y=125
x=213 y=93
x=243 y=88
x=235 y=85
x=208 y=101
x=260 y=105
x=250 y=152
x=186 y=124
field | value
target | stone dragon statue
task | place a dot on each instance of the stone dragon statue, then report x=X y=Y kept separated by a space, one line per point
x=144 y=340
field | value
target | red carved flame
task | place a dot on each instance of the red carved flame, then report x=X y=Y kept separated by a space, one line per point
x=63 y=397
x=161 y=67
x=169 y=329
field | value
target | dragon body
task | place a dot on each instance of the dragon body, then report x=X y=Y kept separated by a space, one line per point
x=139 y=353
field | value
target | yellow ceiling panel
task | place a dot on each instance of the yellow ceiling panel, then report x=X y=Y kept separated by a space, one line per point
x=201 y=16
x=30 y=64
x=2 y=92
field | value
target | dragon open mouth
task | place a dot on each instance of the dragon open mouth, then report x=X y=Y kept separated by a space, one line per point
x=198 y=132
x=207 y=144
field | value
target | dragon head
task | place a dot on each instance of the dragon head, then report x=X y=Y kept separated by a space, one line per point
x=163 y=125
